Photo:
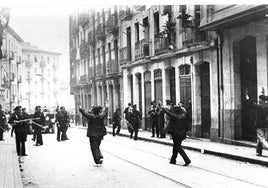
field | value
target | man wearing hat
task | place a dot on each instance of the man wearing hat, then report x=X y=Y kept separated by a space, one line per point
x=3 y=123
x=20 y=131
x=63 y=120
x=41 y=122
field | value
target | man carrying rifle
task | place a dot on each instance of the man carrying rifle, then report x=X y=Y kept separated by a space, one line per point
x=3 y=123
x=38 y=124
x=20 y=131
x=62 y=120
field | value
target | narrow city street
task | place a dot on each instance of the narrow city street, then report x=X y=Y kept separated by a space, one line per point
x=128 y=163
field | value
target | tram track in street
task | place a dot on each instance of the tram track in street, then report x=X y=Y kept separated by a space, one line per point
x=149 y=170
x=161 y=156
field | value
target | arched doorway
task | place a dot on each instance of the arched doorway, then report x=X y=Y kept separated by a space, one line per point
x=248 y=73
x=205 y=100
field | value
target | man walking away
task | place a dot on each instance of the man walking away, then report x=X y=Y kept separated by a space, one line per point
x=177 y=128
x=116 y=120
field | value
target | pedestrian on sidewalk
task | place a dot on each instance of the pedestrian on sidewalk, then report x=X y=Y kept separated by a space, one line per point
x=177 y=128
x=154 y=118
x=116 y=121
x=261 y=124
x=40 y=122
x=20 y=131
x=3 y=123
x=96 y=130
x=161 y=122
x=135 y=119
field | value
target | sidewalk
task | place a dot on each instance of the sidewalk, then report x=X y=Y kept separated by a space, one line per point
x=246 y=153
x=10 y=176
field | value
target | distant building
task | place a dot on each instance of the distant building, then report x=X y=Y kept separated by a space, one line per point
x=40 y=77
x=11 y=70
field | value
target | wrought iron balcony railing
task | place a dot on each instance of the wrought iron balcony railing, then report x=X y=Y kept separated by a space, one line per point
x=112 y=24
x=125 y=14
x=112 y=67
x=100 y=31
x=161 y=45
x=124 y=54
x=91 y=38
x=196 y=41
x=141 y=49
x=99 y=70
x=84 y=50
x=83 y=79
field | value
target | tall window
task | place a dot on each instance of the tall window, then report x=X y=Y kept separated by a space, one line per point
x=109 y=51
x=137 y=33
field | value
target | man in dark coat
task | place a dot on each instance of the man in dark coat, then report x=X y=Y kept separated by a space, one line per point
x=3 y=123
x=177 y=129
x=20 y=131
x=62 y=119
x=261 y=124
x=116 y=120
x=154 y=117
x=41 y=123
x=96 y=130
x=135 y=119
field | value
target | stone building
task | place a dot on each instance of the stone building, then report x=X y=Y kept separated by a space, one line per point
x=11 y=70
x=213 y=58
x=40 y=77
x=94 y=59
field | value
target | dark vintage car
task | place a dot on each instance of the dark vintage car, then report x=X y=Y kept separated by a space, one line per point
x=49 y=123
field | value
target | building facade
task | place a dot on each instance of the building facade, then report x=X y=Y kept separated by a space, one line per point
x=11 y=70
x=202 y=55
x=40 y=77
x=94 y=59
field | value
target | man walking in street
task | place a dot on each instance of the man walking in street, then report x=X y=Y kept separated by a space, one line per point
x=3 y=123
x=96 y=130
x=135 y=119
x=177 y=127
x=116 y=120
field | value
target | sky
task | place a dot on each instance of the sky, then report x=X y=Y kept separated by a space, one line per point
x=44 y=27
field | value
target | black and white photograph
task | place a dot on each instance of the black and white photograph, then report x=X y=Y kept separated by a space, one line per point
x=133 y=94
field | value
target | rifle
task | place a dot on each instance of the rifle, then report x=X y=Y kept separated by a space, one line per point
x=24 y=120
x=39 y=125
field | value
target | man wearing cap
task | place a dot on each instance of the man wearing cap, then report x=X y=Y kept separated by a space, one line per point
x=40 y=122
x=3 y=123
x=20 y=131
x=62 y=119
x=154 y=116
x=177 y=129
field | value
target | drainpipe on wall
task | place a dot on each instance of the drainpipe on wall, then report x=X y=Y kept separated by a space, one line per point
x=220 y=82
